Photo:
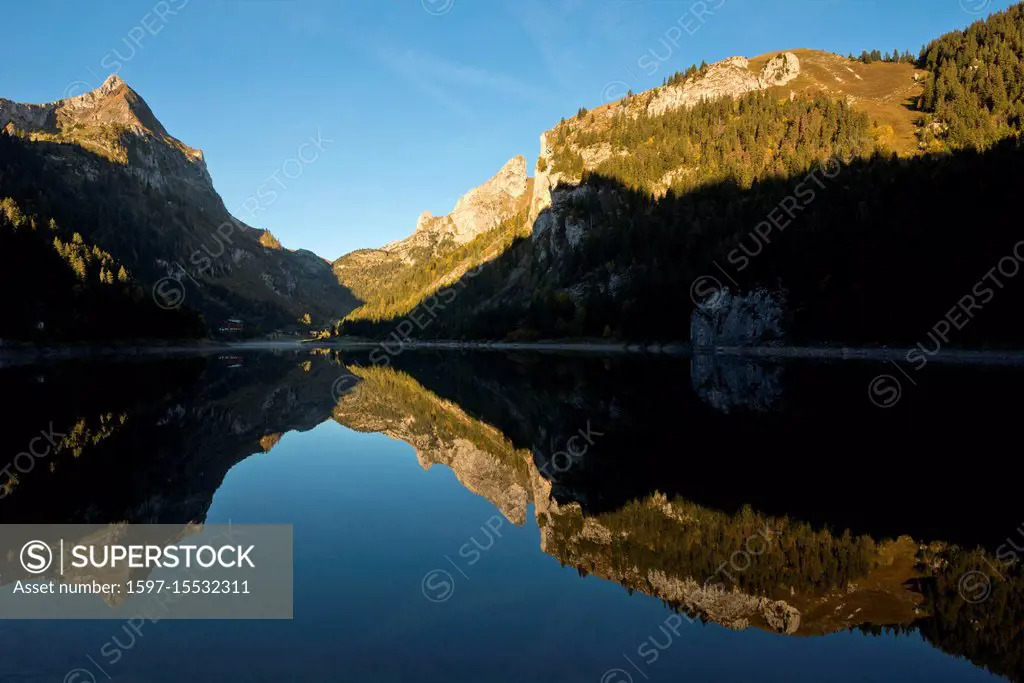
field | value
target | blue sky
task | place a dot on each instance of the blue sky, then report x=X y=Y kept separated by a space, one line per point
x=415 y=101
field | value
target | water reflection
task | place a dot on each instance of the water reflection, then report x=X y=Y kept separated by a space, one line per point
x=692 y=483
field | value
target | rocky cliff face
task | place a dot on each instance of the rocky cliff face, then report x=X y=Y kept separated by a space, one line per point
x=730 y=77
x=111 y=171
x=369 y=272
x=727 y=319
x=484 y=207
x=116 y=123
x=479 y=210
x=728 y=384
x=668 y=549
x=442 y=434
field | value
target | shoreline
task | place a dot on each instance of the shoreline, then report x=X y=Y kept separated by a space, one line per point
x=10 y=355
x=826 y=353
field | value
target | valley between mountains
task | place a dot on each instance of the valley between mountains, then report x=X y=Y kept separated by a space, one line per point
x=793 y=197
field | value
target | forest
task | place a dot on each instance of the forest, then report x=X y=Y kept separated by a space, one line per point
x=394 y=289
x=60 y=288
x=882 y=248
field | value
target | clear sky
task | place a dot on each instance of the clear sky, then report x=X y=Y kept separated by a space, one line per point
x=423 y=99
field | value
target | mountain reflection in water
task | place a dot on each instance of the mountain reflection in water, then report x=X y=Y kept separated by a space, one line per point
x=746 y=494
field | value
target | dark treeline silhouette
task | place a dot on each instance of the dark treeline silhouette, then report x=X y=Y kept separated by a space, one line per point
x=60 y=286
x=659 y=434
x=895 y=57
x=869 y=248
x=989 y=632
x=148 y=441
x=878 y=253
x=657 y=445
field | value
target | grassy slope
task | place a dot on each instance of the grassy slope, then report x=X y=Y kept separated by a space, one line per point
x=886 y=92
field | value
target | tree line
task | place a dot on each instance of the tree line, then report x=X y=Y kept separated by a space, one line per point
x=884 y=247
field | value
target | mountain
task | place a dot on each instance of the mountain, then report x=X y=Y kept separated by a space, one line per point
x=815 y=197
x=739 y=567
x=194 y=417
x=115 y=176
x=393 y=279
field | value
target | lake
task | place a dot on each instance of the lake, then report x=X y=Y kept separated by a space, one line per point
x=485 y=516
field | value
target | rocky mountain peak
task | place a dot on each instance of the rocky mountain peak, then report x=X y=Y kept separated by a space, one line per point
x=424 y=220
x=108 y=150
x=484 y=207
x=113 y=103
x=112 y=83
x=730 y=77
x=780 y=70
x=115 y=122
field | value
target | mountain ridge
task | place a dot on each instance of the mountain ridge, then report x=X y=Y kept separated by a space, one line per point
x=638 y=203
x=477 y=216
x=117 y=176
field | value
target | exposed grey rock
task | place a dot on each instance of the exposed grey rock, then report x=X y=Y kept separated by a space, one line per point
x=545 y=180
x=727 y=319
x=728 y=383
x=483 y=474
x=479 y=210
x=728 y=78
x=779 y=70
x=484 y=207
x=153 y=153
x=730 y=608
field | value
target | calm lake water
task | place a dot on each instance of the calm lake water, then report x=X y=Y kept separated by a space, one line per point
x=491 y=517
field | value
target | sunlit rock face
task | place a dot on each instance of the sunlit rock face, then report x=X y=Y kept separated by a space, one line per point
x=106 y=148
x=731 y=77
x=115 y=121
x=481 y=209
x=482 y=459
x=483 y=474
x=484 y=207
x=728 y=78
x=727 y=319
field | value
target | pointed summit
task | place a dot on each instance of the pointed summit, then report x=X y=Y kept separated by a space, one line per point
x=112 y=83
x=113 y=103
x=484 y=207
